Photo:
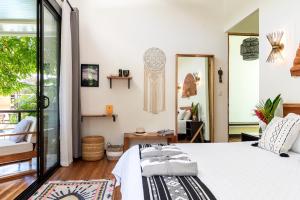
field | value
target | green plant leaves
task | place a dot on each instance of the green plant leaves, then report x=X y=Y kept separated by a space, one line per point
x=17 y=62
x=268 y=108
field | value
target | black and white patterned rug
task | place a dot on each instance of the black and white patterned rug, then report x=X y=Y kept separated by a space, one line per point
x=76 y=190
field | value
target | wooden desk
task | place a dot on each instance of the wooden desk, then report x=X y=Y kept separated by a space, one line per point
x=129 y=137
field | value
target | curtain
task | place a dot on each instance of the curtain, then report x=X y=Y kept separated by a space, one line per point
x=65 y=89
x=76 y=111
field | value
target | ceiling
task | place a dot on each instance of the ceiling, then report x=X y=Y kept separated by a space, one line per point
x=17 y=10
x=249 y=24
x=17 y=17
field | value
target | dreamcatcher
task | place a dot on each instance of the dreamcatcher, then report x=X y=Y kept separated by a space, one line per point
x=154 y=80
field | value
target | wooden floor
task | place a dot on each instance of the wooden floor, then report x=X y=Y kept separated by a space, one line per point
x=79 y=170
x=10 y=190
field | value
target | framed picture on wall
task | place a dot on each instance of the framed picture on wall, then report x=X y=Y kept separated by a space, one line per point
x=89 y=75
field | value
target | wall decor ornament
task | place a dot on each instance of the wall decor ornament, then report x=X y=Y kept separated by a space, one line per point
x=189 y=86
x=295 y=70
x=89 y=75
x=250 y=49
x=277 y=46
x=154 y=80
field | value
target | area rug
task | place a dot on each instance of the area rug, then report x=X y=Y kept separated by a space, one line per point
x=76 y=190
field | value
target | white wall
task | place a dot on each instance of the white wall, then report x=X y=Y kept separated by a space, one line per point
x=237 y=10
x=243 y=83
x=198 y=65
x=274 y=16
x=116 y=33
x=276 y=78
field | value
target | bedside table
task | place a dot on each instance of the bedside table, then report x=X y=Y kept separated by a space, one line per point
x=250 y=137
x=192 y=128
x=130 y=137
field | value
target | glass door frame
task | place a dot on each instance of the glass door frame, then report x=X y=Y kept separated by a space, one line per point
x=41 y=167
x=42 y=177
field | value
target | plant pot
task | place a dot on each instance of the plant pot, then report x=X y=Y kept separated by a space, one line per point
x=195 y=118
x=262 y=126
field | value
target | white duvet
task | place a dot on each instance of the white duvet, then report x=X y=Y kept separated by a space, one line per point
x=232 y=171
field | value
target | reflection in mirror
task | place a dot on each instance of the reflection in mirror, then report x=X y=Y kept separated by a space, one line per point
x=194 y=98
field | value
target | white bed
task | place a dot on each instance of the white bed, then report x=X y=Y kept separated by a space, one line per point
x=232 y=171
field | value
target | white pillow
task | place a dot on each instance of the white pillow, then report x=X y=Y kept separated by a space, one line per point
x=181 y=114
x=187 y=115
x=22 y=127
x=296 y=145
x=280 y=135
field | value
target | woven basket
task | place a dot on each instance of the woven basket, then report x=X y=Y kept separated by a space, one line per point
x=92 y=148
x=114 y=152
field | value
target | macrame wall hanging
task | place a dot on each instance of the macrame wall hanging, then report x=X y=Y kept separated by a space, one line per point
x=154 y=80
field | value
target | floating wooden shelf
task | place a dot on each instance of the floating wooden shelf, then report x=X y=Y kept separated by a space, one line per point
x=114 y=116
x=119 y=78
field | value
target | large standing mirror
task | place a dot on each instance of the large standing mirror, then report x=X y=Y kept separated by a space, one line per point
x=194 y=99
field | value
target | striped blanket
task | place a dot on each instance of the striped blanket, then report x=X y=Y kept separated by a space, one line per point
x=174 y=187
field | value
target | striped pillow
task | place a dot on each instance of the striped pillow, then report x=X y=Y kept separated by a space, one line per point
x=280 y=135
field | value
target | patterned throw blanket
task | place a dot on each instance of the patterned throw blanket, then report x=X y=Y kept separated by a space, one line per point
x=174 y=187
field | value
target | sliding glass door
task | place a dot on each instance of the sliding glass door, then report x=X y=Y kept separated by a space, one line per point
x=49 y=87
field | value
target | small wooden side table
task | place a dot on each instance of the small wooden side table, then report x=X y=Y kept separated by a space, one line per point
x=129 y=137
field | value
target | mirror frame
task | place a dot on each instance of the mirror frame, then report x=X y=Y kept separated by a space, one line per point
x=211 y=88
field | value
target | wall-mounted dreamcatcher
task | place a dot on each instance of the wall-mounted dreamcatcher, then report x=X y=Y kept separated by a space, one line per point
x=154 y=80
x=277 y=47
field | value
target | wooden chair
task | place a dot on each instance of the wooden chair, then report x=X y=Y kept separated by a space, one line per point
x=20 y=154
x=30 y=137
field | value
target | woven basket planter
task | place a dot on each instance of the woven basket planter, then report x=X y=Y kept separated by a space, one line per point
x=114 y=152
x=92 y=148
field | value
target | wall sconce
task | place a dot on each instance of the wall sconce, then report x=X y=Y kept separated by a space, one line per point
x=295 y=70
x=277 y=47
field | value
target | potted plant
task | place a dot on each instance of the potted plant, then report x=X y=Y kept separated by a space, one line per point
x=265 y=111
x=194 y=111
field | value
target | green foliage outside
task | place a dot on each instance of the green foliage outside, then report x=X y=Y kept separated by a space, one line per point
x=17 y=63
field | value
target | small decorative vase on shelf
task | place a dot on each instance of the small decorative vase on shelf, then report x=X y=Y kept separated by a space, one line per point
x=120 y=72
x=109 y=109
x=126 y=73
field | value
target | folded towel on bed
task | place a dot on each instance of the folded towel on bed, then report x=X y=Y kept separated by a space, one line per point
x=158 y=151
x=177 y=165
x=159 y=160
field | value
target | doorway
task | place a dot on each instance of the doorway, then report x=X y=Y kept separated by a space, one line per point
x=243 y=88
x=243 y=73
x=29 y=92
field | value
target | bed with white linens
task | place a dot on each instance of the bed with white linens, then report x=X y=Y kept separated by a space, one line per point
x=231 y=171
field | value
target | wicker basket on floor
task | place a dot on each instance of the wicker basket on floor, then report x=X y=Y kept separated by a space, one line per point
x=92 y=148
x=114 y=152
